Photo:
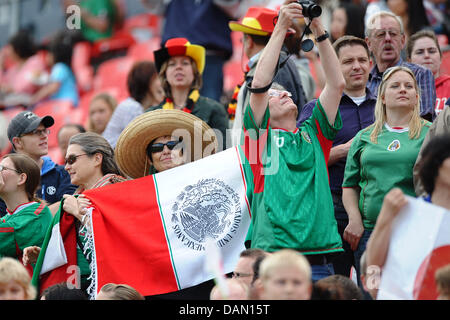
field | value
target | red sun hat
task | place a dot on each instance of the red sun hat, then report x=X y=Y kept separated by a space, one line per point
x=180 y=47
x=258 y=21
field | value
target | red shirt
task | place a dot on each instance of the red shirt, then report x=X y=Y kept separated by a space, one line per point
x=442 y=92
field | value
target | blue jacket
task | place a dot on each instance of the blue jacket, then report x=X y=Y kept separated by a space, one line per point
x=55 y=182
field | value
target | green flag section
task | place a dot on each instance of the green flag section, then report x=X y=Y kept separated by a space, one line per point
x=58 y=252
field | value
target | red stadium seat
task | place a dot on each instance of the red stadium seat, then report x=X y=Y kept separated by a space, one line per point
x=233 y=75
x=121 y=40
x=144 y=20
x=82 y=69
x=113 y=73
x=144 y=50
x=60 y=110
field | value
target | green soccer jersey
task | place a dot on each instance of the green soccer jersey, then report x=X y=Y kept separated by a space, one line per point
x=24 y=227
x=376 y=168
x=287 y=183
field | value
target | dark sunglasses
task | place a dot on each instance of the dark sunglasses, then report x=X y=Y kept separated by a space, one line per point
x=73 y=158
x=158 y=147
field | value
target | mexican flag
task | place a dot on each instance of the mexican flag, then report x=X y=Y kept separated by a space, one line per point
x=420 y=244
x=151 y=233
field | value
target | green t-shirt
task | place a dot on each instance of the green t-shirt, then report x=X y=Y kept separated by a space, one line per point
x=377 y=168
x=98 y=8
x=24 y=227
x=287 y=184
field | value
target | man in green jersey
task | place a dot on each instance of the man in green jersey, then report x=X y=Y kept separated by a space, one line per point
x=286 y=166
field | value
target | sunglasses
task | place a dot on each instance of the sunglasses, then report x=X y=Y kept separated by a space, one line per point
x=2 y=167
x=73 y=158
x=158 y=147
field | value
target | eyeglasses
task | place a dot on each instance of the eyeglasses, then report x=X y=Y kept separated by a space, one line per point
x=241 y=275
x=73 y=158
x=38 y=132
x=158 y=147
x=277 y=93
x=2 y=167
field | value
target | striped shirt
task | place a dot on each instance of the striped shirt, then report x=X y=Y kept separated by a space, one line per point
x=425 y=80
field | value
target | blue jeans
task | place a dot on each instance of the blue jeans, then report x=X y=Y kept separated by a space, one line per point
x=321 y=271
x=213 y=77
x=359 y=252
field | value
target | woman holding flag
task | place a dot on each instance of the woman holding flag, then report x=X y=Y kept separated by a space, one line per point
x=90 y=164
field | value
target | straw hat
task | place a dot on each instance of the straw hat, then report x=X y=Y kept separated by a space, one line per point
x=130 y=152
x=180 y=47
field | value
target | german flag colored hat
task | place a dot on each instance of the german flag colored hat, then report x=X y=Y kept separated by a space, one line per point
x=180 y=47
x=259 y=21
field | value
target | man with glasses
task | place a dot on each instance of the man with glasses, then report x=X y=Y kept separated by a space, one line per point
x=386 y=38
x=28 y=134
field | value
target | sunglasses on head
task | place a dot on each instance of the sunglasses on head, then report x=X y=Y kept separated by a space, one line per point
x=158 y=147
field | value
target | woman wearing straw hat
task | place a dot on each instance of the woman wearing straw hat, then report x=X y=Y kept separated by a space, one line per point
x=160 y=140
x=163 y=139
x=180 y=65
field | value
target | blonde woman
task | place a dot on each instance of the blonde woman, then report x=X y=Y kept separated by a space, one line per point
x=382 y=155
x=15 y=282
x=101 y=109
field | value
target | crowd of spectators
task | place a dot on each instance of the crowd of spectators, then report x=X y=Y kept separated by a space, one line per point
x=358 y=112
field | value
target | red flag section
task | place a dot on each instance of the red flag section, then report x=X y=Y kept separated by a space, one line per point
x=131 y=251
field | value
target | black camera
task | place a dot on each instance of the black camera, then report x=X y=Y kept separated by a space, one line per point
x=310 y=9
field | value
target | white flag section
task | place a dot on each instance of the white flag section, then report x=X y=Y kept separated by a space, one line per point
x=55 y=257
x=198 y=201
x=420 y=244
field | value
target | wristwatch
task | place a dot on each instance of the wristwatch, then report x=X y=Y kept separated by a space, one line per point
x=323 y=37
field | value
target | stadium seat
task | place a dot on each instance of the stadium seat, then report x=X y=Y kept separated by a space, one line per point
x=145 y=24
x=233 y=75
x=113 y=73
x=121 y=40
x=60 y=110
x=144 y=50
x=82 y=69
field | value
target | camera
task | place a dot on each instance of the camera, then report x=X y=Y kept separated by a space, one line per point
x=310 y=9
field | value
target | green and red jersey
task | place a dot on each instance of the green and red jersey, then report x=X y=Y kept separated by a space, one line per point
x=25 y=226
x=288 y=185
x=376 y=168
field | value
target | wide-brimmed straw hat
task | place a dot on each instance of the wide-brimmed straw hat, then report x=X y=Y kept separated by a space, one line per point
x=259 y=21
x=130 y=152
x=180 y=47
